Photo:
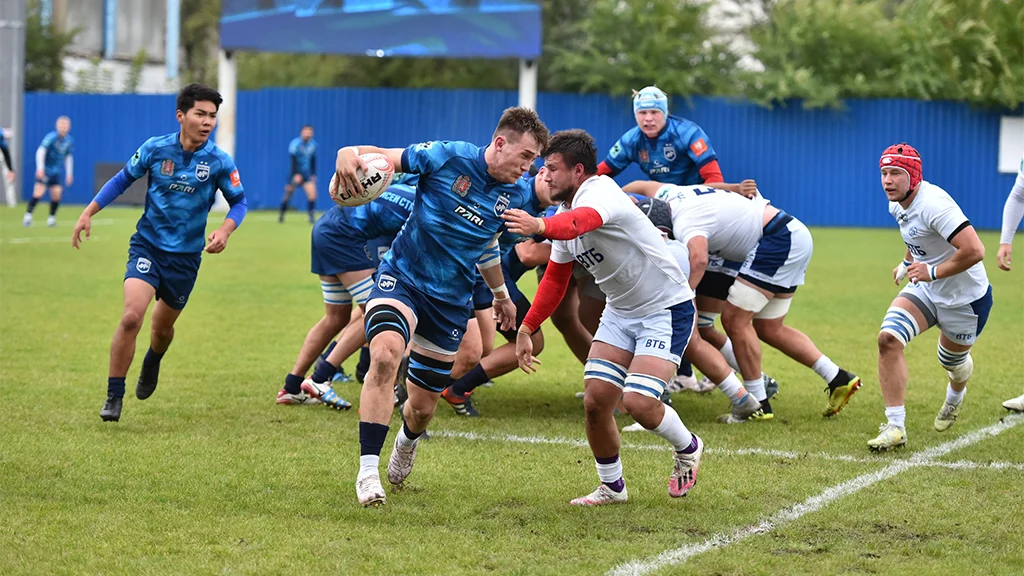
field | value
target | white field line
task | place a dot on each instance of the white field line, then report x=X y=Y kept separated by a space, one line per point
x=45 y=240
x=814 y=503
x=767 y=452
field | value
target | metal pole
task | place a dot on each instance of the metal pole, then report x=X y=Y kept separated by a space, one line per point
x=227 y=85
x=173 y=37
x=528 y=84
x=12 y=64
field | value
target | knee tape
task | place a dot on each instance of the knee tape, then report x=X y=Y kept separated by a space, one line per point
x=645 y=385
x=776 y=308
x=428 y=373
x=901 y=324
x=604 y=370
x=746 y=298
x=360 y=291
x=335 y=293
x=959 y=365
x=386 y=318
x=706 y=319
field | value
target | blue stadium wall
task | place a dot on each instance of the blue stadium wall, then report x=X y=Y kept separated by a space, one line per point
x=819 y=165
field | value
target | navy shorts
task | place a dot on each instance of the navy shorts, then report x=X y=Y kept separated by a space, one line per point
x=522 y=309
x=483 y=298
x=305 y=178
x=50 y=179
x=335 y=250
x=377 y=248
x=173 y=275
x=440 y=325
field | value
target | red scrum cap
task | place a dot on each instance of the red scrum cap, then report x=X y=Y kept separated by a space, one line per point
x=906 y=158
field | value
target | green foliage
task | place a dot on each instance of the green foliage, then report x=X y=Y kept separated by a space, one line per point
x=131 y=83
x=45 y=47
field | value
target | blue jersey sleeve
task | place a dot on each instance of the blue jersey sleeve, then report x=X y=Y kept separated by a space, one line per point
x=427 y=157
x=228 y=180
x=3 y=141
x=622 y=153
x=48 y=141
x=139 y=163
x=293 y=146
x=698 y=147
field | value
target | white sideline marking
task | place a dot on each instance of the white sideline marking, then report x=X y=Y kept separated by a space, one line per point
x=44 y=240
x=788 y=454
x=814 y=503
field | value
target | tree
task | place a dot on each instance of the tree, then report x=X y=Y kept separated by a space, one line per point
x=200 y=39
x=45 y=47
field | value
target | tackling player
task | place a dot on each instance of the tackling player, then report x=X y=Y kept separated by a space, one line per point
x=948 y=288
x=185 y=171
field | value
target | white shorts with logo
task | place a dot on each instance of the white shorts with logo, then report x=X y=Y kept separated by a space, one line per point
x=663 y=334
x=779 y=261
x=961 y=324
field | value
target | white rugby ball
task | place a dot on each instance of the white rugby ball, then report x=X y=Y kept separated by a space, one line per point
x=380 y=173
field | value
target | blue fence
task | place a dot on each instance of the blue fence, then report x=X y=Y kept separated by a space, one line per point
x=820 y=165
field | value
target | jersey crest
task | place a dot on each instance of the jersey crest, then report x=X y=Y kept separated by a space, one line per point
x=461 y=185
x=167 y=167
x=669 y=151
x=500 y=205
x=202 y=171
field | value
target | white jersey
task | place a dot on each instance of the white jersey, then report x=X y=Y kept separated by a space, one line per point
x=1013 y=210
x=927 y=227
x=627 y=255
x=731 y=223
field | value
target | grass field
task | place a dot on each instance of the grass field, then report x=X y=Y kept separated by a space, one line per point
x=209 y=476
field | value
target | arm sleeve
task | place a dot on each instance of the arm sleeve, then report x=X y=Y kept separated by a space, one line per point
x=7 y=157
x=549 y=293
x=40 y=158
x=491 y=256
x=711 y=172
x=239 y=208
x=312 y=163
x=69 y=166
x=571 y=223
x=427 y=157
x=295 y=164
x=114 y=188
x=1013 y=210
x=230 y=183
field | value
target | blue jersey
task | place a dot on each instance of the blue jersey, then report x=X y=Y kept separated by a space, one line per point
x=303 y=153
x=457 y=214
x=57 y=149
x=182 y=189
x=384 y=217
x=674 y=157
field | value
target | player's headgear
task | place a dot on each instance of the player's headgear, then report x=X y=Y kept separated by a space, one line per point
x=906 y=158
x=650 y=97
x=659 y=212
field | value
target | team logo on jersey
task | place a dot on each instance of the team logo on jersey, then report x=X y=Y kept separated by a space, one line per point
x=913 y=231
x=167 y=167
x=236 y=180
x=669 y=151
x=386 y=283
x=643 y=155
x=202 y=171
x=461 y=185
x=136 y=157
x=699 y=147
x=500 y=205
x=143 y=265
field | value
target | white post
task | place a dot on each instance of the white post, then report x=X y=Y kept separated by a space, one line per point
x=528 y=84
x=227 y=85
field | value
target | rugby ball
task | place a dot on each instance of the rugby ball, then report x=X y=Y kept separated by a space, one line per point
x=378 y=178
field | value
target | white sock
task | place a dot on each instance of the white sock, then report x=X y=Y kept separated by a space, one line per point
x=609 y=473
x=369 y=464
x=733 y=389
x=826 y=368
x=729 y=355
x=953 y=397
x=404 y=441
x=673 y=430
x=756 y=387
x=897 y=415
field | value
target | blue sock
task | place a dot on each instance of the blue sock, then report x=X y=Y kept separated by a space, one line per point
x=409 y=433
x=324 y=372
x=371 y=438
x=153 y=357
x=470 y=381
x=293 y=384
x=330 y=348
x=115 y=387
x=685 y=369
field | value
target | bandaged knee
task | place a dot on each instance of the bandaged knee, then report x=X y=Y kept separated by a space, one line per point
x=775 y=308
x=360 y=291
x=386 y=318
x=645 y=385
x=606 y=371
x=706 y=319
x=429 y=373
x=747 y=297
x=900 y=324
x=959 y=365
x=335 y=293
